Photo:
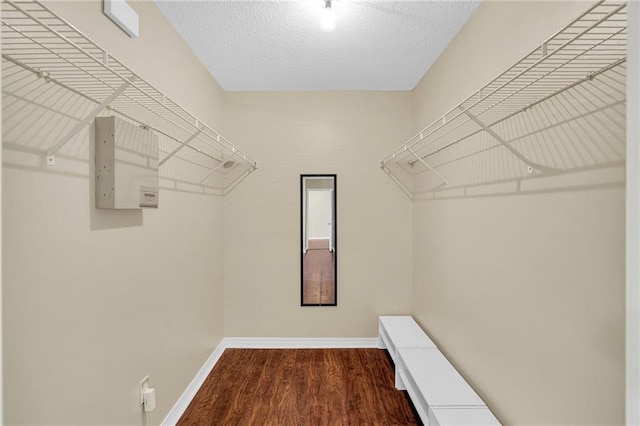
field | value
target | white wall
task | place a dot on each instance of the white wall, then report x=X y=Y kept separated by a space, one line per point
x=90 y=305
x=293 y=133
x=524 y=292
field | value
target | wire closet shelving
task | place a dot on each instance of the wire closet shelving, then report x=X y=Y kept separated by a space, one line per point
x=56 y=81
x=561 y=109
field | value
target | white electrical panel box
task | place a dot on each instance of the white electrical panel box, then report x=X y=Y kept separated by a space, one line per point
x=126 y=165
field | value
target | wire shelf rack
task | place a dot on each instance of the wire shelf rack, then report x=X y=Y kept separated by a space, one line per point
x=56 y=80
x=560 y=109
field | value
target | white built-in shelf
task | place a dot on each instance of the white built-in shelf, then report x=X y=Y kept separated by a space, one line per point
x=396 y=332
x=434 y=378
x=462 y=417
x=440 y=395
x=402 y=331
x=560 y=109
x=56 y=80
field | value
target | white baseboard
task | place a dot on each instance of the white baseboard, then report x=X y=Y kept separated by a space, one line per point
x=185 y=399
x=258 y=343
x=299 y=342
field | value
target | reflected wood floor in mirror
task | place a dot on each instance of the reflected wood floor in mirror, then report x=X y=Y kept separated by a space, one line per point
x=318 y=286
x=300 y=387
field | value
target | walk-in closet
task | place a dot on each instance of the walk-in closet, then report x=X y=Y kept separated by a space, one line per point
x=320 y=212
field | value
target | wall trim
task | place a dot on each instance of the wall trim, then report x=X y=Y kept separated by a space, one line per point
x=300 y=342
x=258 y=343
x=185 y=399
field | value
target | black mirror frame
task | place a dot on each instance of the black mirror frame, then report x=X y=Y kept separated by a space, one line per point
x=335 y=240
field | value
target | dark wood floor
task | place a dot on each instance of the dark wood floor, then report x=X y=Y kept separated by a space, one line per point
x=300 y=387
x=319 y=265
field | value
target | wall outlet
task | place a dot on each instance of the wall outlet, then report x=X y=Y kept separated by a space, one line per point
x=144 y=383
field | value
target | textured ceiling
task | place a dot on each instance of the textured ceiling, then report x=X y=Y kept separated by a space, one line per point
x=278 y=45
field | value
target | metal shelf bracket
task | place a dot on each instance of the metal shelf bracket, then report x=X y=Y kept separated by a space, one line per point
x=51 y=159
x=182 y=145
x=420 y=159
x=506 y=144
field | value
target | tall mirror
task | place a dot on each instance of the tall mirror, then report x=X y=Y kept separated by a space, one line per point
x=318 y=240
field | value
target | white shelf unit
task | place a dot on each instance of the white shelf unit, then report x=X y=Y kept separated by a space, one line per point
x=56 y=80
x=395 y=332
x=402 y=331
x=435 y=387
x=453 y=416
x=559 y=110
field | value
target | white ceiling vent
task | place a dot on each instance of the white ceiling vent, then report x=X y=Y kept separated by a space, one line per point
x=123 y=15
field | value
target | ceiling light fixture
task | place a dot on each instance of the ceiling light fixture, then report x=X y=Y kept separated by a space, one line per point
x=327 y=17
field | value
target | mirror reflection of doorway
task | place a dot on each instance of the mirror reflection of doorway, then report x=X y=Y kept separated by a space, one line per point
x=318 y=240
